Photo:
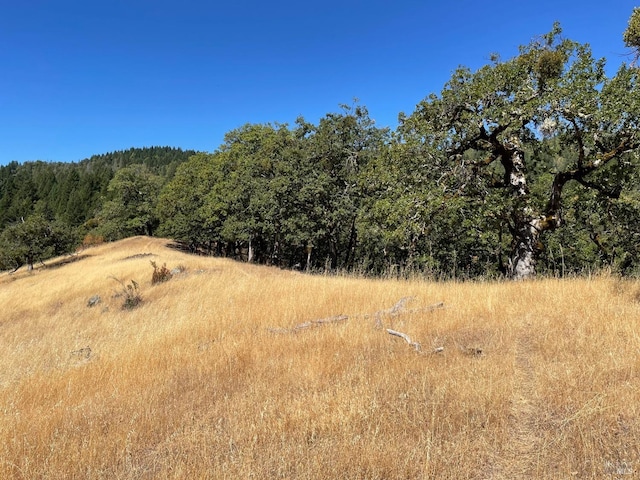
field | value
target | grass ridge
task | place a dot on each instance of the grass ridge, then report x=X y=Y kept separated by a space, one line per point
x=193 y=383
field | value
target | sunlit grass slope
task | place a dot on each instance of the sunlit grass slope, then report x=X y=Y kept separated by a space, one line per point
x=208 y=377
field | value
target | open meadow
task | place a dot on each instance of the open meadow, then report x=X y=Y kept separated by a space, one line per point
x=231 y=371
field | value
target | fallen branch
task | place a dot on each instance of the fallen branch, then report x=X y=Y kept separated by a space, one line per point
x=399 y=308
x=310 y=324
x=406 y=338
x=321 y=321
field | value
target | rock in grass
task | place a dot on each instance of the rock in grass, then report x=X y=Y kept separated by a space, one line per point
x=93 y=301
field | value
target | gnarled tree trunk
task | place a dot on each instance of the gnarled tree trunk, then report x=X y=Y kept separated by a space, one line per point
x=526 y=240
x=526 y=227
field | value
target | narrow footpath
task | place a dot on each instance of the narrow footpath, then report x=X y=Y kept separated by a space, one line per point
x=518 y=460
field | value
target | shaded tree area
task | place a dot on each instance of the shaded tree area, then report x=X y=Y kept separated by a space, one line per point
x=131 y=206
x=68 y=196
x=526 y=165
x=33 y=240
x=276 y=195
x=516 y=134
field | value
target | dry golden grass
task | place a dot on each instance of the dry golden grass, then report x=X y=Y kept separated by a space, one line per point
x=536 y=379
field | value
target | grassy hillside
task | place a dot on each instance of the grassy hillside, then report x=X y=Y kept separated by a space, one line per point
x=210 y=378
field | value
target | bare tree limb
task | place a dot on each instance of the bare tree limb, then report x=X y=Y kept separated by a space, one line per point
x=406 y=338
x=399 y=308
x=320 y=321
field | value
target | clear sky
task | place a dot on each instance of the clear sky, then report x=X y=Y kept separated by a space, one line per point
x=84 y=77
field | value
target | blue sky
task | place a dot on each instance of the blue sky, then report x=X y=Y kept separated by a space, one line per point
x=84 y=77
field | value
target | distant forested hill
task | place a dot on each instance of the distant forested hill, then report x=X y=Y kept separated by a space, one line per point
x=159 y=160
x=72 y=192
x=47 y=208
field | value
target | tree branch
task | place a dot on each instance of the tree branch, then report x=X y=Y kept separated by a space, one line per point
x=406 y=338
x=578 y=136
x=583 y=170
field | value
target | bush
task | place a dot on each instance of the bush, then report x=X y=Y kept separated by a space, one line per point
x=131 y=294
x=91 y=240
x=160 y=274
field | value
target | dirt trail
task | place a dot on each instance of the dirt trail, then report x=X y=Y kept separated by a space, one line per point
x=518 y=460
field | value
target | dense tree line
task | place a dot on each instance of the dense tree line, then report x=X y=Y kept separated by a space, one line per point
x=64 y=200
x=526 y=165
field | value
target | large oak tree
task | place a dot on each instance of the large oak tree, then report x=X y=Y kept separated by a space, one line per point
x=491 y=126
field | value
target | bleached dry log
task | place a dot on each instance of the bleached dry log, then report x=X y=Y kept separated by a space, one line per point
x=406 y=338
x=321 y=321
x=334 y=319
x=399 y=308
x=310 y=324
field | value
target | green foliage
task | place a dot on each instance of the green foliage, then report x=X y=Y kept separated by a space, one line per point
x=631 y=35
x=276 y=195
x=514 y=135
x=181 y=201
x=158 y=160
x=69 y=195
x=132 y=208
x=549 y=65
x=32 y=240
x=467 y=186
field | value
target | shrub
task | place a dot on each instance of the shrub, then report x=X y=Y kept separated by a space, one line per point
x=160 y=274
x=91 y=240
x=132 y=296
x=131 y=293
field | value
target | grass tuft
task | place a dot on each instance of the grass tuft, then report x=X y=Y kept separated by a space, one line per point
x=131 y=294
